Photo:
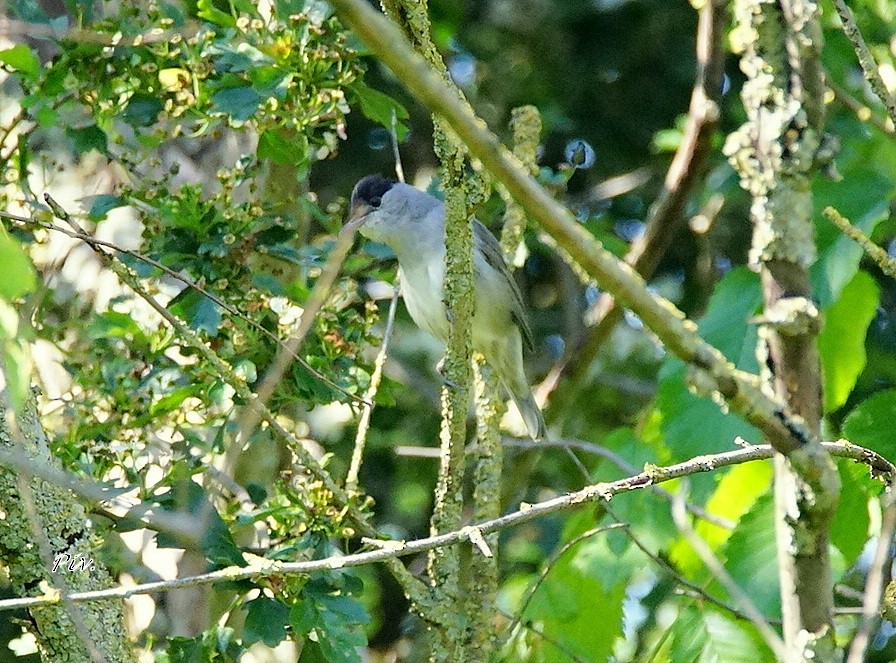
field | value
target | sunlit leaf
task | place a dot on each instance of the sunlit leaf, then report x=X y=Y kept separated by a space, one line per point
x=19 y=277
x=842 y=341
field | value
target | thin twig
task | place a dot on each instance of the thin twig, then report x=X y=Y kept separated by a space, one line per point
x=391 y=550
x=354 y=469
x=416 y=590
x=866 y=59
x=187 y=282
x=351 y=481
x=715 y=566
x=883 y=259
x=862 y=111
x=874 y=584
x=282 y=360
x=666 y=215
x=622 y=464
x=529 y=626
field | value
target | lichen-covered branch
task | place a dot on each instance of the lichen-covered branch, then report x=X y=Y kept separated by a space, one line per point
x=866 y=59
x=392 y=550
x=63 y=521
x=775 y=153
x=666 y=216
x=742 y=391
x=883 y=259
x=462 y=193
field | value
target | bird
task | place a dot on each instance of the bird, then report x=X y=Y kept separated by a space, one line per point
x=412 y=223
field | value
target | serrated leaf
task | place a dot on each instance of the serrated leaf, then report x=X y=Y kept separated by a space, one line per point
x=266 y=622
x=691 y=425
x=333 y=618
x=708 y=636
x=735 y=494
x=19 y=276
x=751 y=557
x=21 y=58
x=842 y=341
x=870 y=424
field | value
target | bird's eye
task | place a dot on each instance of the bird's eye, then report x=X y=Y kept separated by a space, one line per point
x=375 y=201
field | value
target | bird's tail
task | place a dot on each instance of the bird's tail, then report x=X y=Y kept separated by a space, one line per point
x=530 y=412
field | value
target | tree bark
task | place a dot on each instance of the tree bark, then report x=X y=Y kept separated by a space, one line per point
x=774 y=153
x=41 y=520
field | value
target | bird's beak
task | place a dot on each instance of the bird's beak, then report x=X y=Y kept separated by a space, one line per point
x=357 y=216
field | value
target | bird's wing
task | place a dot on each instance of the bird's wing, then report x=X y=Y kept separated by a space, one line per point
x=491 y=251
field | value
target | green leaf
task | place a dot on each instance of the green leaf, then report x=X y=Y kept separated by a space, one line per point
x=692 y=425
x=142 y=110
x=23 y=59
x=838 y=263
x=379 y=107
x=707 y=636
x=240 y=103
x=200 y=312
x=751 y=558
x=265 y=622
x=19 y=276
x=849 y=531
x=217 y=645
x=217 y=542
x=734 y=495
x=331 y=618
x=285 y=147
x=573 y=608
x=88 y=138
x=16 y=357
x=208 y=11
x=172 y=400
x=842 y=341
x=870 y=424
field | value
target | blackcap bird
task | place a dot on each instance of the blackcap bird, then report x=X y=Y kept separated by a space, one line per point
x=412 y=224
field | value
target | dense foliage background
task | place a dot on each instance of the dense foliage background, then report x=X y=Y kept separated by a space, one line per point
x=221 y=140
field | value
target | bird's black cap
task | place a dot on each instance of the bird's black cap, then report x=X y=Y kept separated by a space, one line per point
x=370 y=190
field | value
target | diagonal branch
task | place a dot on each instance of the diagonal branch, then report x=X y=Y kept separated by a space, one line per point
x=667 y=214
x=741 y=390
x=866 y=59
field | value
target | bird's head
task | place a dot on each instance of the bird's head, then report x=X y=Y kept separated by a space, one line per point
x=391 y=212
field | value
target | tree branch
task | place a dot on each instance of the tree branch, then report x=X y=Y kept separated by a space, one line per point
x=883 y=259
x=866 y=59
x=667 y=214
x=392 y=550
x=741 y=390
x=415 y=589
